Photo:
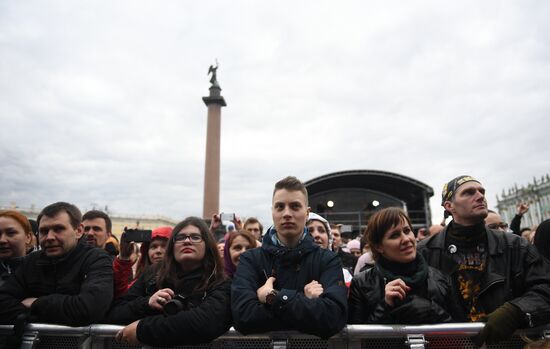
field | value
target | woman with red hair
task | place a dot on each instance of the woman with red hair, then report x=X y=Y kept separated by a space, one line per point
x=15 y=238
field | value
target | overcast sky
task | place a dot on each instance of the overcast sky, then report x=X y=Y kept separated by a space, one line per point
x=101 y=100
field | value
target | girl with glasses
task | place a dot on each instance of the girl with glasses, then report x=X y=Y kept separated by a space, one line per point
x=182 y=300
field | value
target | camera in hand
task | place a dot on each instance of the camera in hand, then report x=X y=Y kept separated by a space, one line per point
x=136 y=235
x=175 y=305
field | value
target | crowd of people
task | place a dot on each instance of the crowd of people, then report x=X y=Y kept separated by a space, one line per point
x=183 y=285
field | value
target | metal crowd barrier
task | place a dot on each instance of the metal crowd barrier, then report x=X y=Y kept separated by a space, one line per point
x=448 y=336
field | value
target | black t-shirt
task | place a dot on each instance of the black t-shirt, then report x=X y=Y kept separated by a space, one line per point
x=467 y=246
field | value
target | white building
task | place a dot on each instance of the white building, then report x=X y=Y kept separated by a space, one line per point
x=537 y=194
x=119 y=221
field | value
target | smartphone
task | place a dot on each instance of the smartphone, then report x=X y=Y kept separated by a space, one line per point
x=227 y=217
x=137 y=235
x=346 y=228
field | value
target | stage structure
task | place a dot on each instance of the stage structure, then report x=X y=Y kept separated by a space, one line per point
x=351 y=197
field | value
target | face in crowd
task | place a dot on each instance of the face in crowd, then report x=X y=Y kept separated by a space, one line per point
x=239 y=244
x=56 y=234
x=319 y=233
x=221 y=247
x=336 y=238
x=254 y=230
x=354 y=247
x=398 y=243
x=494 y=221
x=390 y=235
x=189 y=247
x=95 y=232
x=468 y=205
x=156 y=250
x=14 y=236
x=289 y=212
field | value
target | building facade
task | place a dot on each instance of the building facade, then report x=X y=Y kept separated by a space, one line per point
x=119 y=221
x=536 y=194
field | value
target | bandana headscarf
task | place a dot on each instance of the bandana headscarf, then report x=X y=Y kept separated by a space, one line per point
x=450 y=188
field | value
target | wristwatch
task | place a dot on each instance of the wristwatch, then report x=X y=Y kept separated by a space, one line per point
x=270 y=297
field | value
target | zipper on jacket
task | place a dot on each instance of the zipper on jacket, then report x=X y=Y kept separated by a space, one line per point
x=530 y=320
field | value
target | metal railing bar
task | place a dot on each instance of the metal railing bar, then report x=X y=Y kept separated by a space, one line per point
x=351 y=332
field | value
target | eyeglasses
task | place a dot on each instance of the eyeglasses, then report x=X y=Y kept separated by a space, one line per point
x=194 y=238
x=501 y=225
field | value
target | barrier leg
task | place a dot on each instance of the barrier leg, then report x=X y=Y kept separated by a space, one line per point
x=354 y=344
x=337 y=344
x=279 y=343
x=29 y=340
x=93 y=342
x=416 y=341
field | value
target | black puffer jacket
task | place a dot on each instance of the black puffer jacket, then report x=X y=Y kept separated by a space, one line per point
x=293 y=269
x=74 y=290
x=422 y=306
x=204 y=317
x=8 y=268
x=515 y=273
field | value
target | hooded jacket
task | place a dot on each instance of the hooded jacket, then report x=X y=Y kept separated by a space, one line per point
x=74 y=290
x=515 y=273
x=293 y=268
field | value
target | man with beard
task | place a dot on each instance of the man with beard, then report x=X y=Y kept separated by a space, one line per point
x=498 y=278
x=66 y=282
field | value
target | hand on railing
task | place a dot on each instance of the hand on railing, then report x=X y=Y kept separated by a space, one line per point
x=128 y=334
x=27 y=302
x=501 y=324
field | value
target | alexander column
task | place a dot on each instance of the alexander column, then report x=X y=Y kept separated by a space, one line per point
x=214 y=102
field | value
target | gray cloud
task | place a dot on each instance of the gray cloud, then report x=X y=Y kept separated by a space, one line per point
x=102 y=101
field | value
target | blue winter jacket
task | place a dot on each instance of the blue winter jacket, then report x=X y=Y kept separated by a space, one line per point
x=292 y=269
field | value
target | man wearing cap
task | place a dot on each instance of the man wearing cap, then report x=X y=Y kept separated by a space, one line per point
x=499 y=278
x=289 y=283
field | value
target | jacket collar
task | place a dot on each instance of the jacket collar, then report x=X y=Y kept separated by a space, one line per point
x=271 y=245
x=45 y=260
x=495 y=241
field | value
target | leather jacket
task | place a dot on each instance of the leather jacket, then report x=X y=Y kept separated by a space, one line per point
x=430 y=305
x=515 y=273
